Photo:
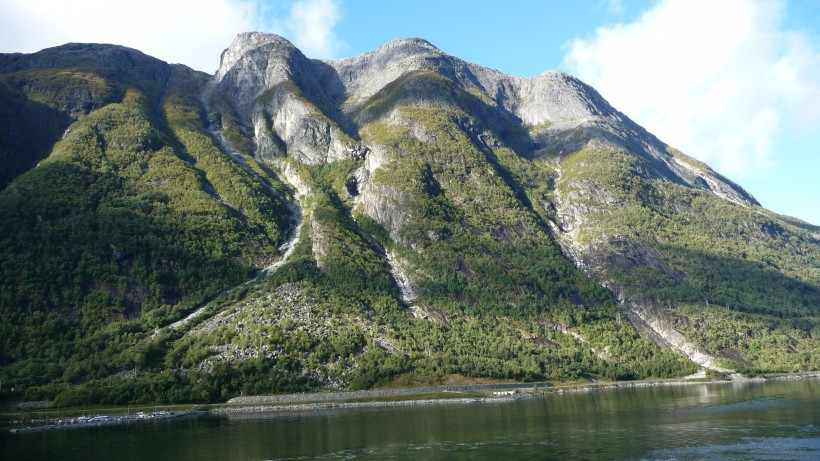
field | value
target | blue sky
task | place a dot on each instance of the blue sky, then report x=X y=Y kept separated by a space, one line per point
x=735 y=83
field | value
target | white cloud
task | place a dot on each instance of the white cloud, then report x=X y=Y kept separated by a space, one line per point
x=184 y=31
x=311 y=25
x=718 y=80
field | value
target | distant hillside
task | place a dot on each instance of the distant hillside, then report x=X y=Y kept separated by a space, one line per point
x=400 y=217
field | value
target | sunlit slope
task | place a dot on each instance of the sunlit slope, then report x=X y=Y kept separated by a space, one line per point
x=395 y=218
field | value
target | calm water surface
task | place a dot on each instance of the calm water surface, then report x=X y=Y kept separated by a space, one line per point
x=739 y=421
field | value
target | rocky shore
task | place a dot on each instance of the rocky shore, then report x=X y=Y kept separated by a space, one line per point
x=340 y=405
x=495 y=393
x=314 y=402
x=101 y=420
x=380 y=393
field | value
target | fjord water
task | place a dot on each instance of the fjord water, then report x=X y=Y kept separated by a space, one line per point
x=743 y=420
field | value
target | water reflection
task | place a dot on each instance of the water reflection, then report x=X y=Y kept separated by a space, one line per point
x=764 y=448
x=686 y=422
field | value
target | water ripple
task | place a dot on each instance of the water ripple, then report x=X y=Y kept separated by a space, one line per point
x=765 y=448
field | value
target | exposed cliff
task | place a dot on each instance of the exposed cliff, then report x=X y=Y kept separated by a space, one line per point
x=553 y=118
x=391 y=218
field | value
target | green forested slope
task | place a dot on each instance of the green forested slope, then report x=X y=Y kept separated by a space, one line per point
x=134 y=219
x=441 y=237
x=739 y=280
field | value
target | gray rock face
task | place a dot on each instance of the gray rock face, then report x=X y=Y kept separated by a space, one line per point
x=312 y=111
x=311 y=105
x=273 y=83
x=363 y=76
x=559 y=99
x=309 y=135
x=384 y=204
x=256 y=62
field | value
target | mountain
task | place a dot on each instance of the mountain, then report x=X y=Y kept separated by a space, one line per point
x=395 y=218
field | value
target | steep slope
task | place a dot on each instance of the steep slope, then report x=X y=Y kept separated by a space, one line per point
x=438 y=219
x=133 y=218
x=739 y=282
x=632 y=212
x=44 y=93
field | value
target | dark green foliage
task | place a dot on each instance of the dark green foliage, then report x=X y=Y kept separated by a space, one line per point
x=487 y=248
x=45 y=92
x=683 y=246
x=751 y=341
x=139 y=218
x=28 y=129
x=134 y=219
x=717 y=251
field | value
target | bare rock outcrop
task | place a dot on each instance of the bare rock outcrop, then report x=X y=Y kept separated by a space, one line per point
x=308 y=109
x=312 y=111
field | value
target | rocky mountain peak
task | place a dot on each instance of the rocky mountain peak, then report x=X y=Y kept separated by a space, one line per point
x=362 y=76
x=557 y=97
x=552 y=97
x=129 y=63
x=256 y=62
x=412 y=45
x=370 y=195
x=247 y=42
x=562 y=113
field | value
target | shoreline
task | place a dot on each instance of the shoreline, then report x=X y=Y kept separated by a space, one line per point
x=83 y=422
x=332 y=401
x=527 y=390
